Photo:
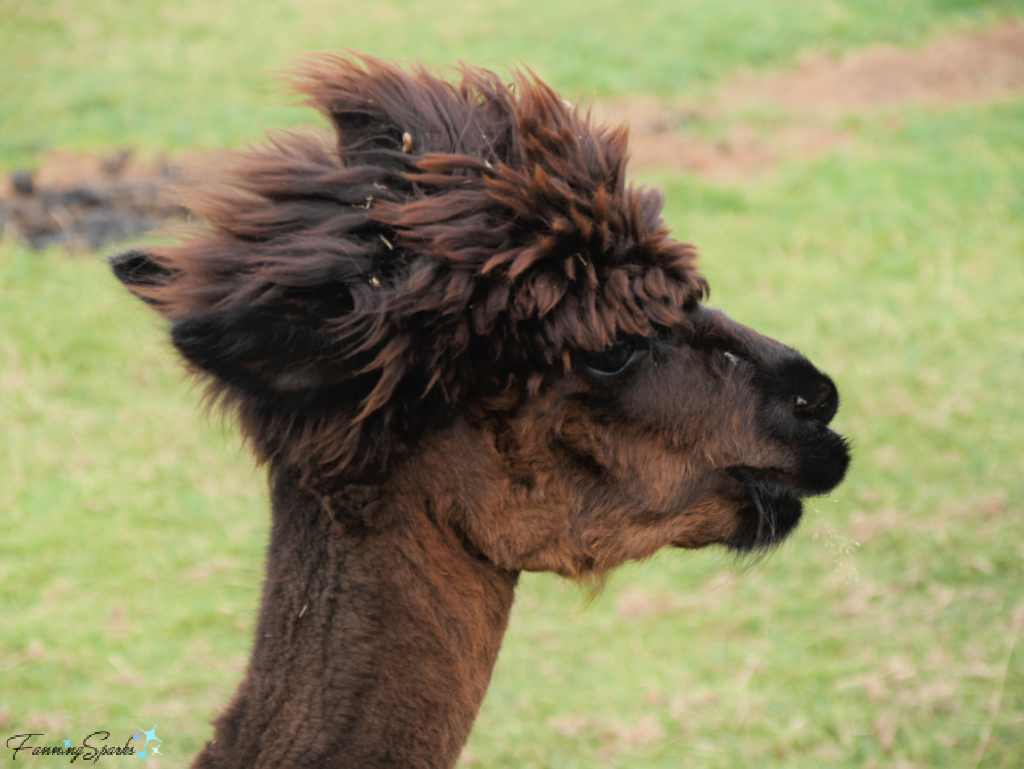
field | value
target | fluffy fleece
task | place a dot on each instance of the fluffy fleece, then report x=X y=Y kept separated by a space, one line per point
x=453 y=245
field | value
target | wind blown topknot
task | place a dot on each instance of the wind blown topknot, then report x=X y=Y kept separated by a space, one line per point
x=461 y=236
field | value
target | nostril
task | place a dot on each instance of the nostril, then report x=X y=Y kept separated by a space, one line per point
x=817 y=402
x=800 y=395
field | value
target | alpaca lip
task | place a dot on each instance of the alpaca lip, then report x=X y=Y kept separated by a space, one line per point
x=774 y=510
x=776 y=496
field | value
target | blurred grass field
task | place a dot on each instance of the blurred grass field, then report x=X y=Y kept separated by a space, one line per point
x=886 y=633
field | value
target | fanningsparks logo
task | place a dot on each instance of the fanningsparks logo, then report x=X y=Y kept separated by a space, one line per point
x=90 y=749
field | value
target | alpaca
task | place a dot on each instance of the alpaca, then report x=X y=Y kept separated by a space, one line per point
x=464 y=348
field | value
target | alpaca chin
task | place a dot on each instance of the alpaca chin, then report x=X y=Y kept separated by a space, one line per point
x=774 y=510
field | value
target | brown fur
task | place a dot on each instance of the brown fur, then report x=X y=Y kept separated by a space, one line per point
x=418 y=328
x=505 y=235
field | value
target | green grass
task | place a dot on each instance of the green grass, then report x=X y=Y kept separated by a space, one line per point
x=115 y=521
x=179 y=75
x=898 y=265
x=132 y=529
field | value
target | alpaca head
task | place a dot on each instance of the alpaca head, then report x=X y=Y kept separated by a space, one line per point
x=463 y=295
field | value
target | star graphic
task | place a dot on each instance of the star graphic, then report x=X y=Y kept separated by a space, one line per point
x=155 y=751
x=67 y=743
x=151 y=734
x=142 y=755
x=138 y=736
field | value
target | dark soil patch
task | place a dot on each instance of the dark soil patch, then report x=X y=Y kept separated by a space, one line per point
x=86 y=201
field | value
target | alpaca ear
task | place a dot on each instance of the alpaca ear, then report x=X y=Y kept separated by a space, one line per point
x=139 y=270
x=258 y=352
x=261 y=353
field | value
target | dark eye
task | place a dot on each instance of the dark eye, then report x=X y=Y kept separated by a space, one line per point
x=614 y=358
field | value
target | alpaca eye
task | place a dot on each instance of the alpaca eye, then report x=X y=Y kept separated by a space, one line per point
x=614 y=358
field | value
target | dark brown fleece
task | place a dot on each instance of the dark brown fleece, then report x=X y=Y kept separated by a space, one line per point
x=458 y=235
x=373 y=648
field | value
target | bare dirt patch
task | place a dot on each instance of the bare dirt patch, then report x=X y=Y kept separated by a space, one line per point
x=86 y=201
x=812 y=99
x=952 y=71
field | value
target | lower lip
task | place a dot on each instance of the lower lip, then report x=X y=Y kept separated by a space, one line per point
x=774 y=511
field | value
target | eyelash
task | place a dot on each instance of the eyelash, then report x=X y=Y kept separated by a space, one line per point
x=617 y=357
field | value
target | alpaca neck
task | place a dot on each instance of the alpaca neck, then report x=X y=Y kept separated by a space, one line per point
x=374 y=646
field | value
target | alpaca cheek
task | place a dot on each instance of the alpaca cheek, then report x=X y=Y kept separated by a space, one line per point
x=712 y=417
